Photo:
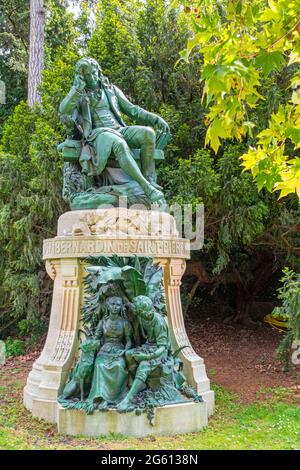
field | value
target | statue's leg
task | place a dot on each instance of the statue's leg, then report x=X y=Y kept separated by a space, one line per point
x=143 y=137
x=129 y=165
x=131 y=364
x=139 y=383
x=81 y=389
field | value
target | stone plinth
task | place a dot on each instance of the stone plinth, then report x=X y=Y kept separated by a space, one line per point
x=169 y=420
x=124 y=232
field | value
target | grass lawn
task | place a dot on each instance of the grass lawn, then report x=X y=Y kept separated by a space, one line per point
x=271 y=422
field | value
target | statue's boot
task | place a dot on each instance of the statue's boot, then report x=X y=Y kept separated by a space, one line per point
x=103 y=406
x=126 y=404
x=155 y=195
x=154 y=184
x=129 y=166
x=157 y=199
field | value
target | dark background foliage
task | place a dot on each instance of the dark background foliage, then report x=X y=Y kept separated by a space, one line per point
x=249 y=235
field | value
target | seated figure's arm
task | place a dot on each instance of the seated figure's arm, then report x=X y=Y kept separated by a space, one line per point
x=148 y=356
x=128 y=336
x=158 y=352
x=71 y=101
x=99 y=330
x=162 y=340
x=138 y=114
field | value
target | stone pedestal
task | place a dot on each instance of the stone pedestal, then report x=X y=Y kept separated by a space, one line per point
x=124 y=232
x=168 y=420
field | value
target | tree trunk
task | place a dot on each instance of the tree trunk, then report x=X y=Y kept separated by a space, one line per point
x=248 y=290
x=245 y=299
x=36 y=50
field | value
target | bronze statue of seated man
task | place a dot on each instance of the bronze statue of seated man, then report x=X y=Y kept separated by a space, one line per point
x=94 y=106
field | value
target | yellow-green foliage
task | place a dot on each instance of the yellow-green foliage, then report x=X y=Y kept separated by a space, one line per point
x=243 y=42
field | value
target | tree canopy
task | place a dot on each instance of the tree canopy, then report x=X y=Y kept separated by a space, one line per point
x=250 y=235
x=243 y=43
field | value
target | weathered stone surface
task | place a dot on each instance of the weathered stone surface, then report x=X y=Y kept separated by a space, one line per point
x=118 y=221
x=125 y=232
x=168 y=420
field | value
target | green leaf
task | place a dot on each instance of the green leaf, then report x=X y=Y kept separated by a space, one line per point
x=105 y=274
x=215 y=131
x=296 y=97
x=261 y=180
x=133 y=282
x=249 y=20
x=201 y=37
x=154 y=282
x=239 y=7
x=130 y=277
x=269 y=61
x=293 y=133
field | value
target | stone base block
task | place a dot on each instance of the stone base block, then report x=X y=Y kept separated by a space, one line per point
x=40 y=407
x=169 y=420
x=209 y=398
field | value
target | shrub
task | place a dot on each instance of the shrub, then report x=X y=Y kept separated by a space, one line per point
x=14 y=347
x=289 y=311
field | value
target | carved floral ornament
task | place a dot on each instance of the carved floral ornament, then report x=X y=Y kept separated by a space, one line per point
x=123 y=222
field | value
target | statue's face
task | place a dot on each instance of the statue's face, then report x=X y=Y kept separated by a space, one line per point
x=143 y=307
x=115 y=305
x=91 y=76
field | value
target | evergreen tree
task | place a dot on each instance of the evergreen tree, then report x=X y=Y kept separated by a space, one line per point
x=14 y=35
x=114 y=43
x=30 y=196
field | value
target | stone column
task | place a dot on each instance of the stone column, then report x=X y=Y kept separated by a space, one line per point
x=50 y=370
x=193 y=365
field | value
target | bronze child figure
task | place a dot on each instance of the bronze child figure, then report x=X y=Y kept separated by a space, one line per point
x=142 y=361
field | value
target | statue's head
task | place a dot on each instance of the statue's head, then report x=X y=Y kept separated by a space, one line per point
x=90 y=71
x=115 y=305
x=143 y=307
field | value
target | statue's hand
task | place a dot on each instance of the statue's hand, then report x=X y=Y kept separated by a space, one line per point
x=162 y=124
x=79 y=84
x=139 y=357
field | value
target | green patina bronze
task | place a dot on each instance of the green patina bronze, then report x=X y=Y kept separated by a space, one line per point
x=127 y=363
x=105 y=159
x=81 y=377
x=110 y=373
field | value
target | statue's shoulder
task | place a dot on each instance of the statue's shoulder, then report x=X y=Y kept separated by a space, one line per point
x=160 y=320
x=126 y=322
x=127 y=326
x=117 y=91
